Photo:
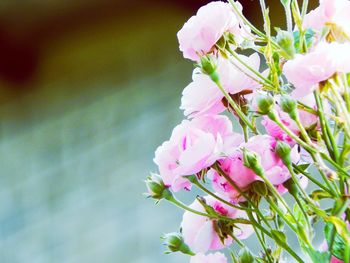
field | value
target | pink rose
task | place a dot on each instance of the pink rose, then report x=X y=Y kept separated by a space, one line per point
x=307 y=119
x=335 y=260
x=329 y=12
x=201 y=32
x=193 y=146
x=305 y=72
x=199 y=231
x=210 y=258
x=202 y=96
x=275 y=171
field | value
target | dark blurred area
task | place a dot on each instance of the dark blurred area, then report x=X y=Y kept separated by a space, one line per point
x=88 y=90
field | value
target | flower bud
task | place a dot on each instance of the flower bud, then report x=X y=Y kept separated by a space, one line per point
x=156 y=188
x=252 y=161
x=291 y=186
x=289 y=106
x=265 y=104
x=286 y=41
x=245 y=256
x=175 y=243
x=283 y=150
x=208 y=67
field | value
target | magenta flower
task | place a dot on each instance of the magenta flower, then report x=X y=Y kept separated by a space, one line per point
x=199 y=231
x=210 y=258
x=201 y=32
x=275 y=171
x=329 y=12
x=202 y=96
x=193 y=146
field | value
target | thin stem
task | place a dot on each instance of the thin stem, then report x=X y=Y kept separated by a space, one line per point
x=285 y=246
x=296 y=181
x=304 y=8
x=216 y=196
x=263 y=245
x=281 y=214
x=258 y=74
x=274 y=117
x=326 y=131
x=303 y=212
x=312 y=179
x=288 y=17
x=235 y=186
x=339 y=103
x=278 y=196
x=239 y=112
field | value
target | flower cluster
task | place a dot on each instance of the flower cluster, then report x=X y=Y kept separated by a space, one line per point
x=294 y=115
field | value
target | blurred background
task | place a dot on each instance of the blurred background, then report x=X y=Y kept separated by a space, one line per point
x=88 y=90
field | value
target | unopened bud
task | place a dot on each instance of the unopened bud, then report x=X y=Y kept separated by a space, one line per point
x=265 y=104
x=291 y=186
x=283 y=150
x=289 y=106
x=286 y=42
x=245 y=256
x=252 y=161
x=175 y=243
x=208 y=67
x=156 y=187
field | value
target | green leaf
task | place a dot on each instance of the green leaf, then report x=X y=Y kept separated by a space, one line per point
x=309 y=34
x=303 y=167
x=320 y=194
x=317 y=256
x=338 y=243
x=340 y=226
x=260 y=188
x=299 y=214
x=279 y=237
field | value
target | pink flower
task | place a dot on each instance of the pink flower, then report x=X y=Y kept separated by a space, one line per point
x=263 y=145
x=199 y=231
x=307 y=119
x=335 y=260
x=193 y=146
x=201 y=32
x=210 y=258
x=329 y=12
x=202 y=96
x=305 y=72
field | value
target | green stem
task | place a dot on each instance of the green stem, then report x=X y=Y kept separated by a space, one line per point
x=274 y=117
x=235 y=186
x=262 y=243
x=196 y=183
x=236 y=108
x=296 y=181
x=288 y=17
x=304 y=8
x=339 y=103
x=303 y=212
x=258 y=74
x=285 y=246
x=312 y=179
x=326 y=131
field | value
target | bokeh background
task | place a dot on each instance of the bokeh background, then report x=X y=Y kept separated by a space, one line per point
x=88 y=90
